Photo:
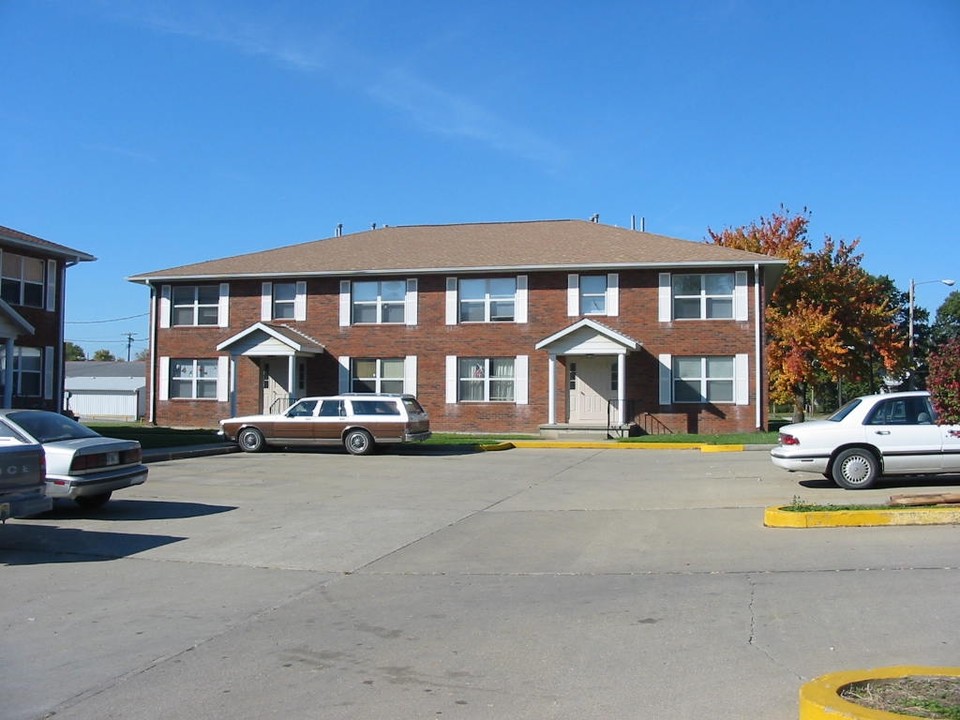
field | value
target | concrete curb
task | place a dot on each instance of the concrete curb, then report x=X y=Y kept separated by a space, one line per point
x=820 y=698
x=777 y=517
x=611 y=445
x=188 y=451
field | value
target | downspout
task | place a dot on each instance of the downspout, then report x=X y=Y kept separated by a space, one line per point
x=58 y=391
x=152 y=409
x=758 y=341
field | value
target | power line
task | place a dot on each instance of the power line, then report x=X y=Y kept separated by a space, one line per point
x=98 y=322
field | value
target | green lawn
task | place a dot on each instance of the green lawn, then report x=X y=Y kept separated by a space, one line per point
x=160 y=437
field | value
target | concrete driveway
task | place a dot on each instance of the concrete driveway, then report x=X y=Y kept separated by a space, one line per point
x=515 y=584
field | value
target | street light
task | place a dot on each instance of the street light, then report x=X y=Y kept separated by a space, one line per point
x=913 y=286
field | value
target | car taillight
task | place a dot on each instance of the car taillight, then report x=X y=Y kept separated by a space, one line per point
x=43 y=465
x=786 y=439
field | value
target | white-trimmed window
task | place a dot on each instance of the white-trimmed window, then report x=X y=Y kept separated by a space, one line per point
x=704 y=297
x=284 y=300
x=593 y=294
x=486 y=379
x=27 y=371
x=196 y=305
x=193 y=379
x=487 y=299
x=21 y=280
x=378 y=301
x=377 y=375
x=703 y=379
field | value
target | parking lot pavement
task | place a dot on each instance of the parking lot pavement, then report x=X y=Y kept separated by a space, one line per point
x=521 y=584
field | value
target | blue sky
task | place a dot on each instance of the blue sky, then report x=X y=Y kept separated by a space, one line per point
x=154 y=133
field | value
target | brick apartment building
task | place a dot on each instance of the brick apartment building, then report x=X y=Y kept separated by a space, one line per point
x=520 y=326
x=32 y=282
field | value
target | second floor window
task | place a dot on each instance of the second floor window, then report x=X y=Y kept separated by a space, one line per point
x=593 y=294
x=196 y=305
x=488 y=300
x=284 y=300
x=22 y=280
x=378 y=301
x=704 y=297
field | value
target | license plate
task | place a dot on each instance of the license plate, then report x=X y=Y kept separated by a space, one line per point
x=113 y=458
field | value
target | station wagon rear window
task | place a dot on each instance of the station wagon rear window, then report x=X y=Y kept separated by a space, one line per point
x=375 y=407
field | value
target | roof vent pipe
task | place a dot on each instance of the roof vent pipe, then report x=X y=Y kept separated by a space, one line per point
x=373 y=226
x=595 y=218
x=339 y=231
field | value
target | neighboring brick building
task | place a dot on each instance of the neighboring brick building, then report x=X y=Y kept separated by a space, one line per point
x=33 y=275
x=495 y=327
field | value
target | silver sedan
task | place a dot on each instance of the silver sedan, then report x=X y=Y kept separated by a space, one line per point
x=81 y=464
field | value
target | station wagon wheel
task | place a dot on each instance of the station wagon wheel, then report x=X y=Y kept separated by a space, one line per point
x=250 y=440
x=92 y=502
x=855 y=469
x=358 y=442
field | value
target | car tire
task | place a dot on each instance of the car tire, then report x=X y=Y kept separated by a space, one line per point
x=855 y=469
x=93 y=502
x=358 y=442
x=250 y=440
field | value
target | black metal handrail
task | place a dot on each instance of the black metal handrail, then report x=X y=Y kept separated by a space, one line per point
x=281 y=403
x=644 y=422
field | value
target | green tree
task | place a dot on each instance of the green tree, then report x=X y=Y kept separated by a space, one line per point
x=142 y=355
x=72 y=351
x=946 y=325
x=944 y=380
x=104 y=355
x=828 y=318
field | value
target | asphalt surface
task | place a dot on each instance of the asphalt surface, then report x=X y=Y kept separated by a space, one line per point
x=534 y=583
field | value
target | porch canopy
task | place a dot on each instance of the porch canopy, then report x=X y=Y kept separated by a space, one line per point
x=12 y=325
x=587 y=337
x=269 y=340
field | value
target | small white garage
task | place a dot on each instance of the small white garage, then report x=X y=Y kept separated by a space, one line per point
x=96 y=390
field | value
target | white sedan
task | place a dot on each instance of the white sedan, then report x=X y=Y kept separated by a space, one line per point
x=81 y=464
x=873 y=435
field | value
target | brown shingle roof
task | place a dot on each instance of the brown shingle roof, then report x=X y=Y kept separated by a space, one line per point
x=550 y=244
x=21 y=238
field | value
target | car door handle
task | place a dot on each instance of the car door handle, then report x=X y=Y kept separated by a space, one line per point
x=883 y=432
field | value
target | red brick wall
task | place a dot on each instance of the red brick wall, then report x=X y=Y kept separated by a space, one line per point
x=432 y=340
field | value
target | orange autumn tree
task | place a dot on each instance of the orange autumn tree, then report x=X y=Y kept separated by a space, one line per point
x=828 y=317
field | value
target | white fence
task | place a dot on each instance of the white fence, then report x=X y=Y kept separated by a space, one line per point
x=114 y=405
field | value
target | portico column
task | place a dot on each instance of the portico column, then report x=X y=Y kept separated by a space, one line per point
x=621 y=387
x=552 y=390
x=291 y=377
x=8 y=373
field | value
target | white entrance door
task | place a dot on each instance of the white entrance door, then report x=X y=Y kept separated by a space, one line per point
x=275 y=384
x=590 y=388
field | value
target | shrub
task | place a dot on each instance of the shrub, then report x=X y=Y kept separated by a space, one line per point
x=944 y=381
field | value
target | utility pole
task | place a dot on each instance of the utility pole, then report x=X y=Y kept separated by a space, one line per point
x=129 y=344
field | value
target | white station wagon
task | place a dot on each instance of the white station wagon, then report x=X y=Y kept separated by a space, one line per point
x=871 y=436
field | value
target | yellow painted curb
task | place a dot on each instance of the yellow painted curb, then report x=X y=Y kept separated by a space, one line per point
x=721 y=448
x=778 y=517
x=820 y=698
x=490 y=447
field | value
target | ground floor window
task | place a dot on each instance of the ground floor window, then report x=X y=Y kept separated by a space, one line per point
x=377 y=375
x=703 y=379
x=486 y=380
x=193 y=379
x=27 y=371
